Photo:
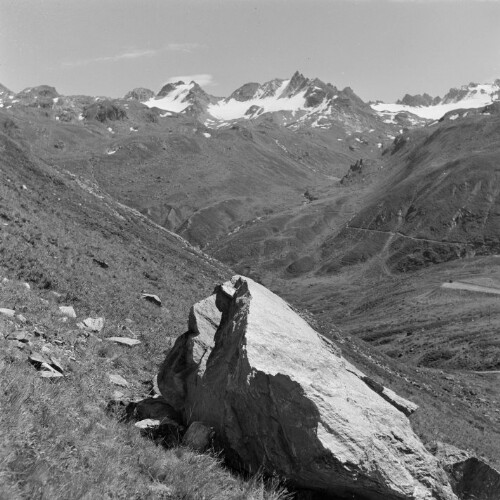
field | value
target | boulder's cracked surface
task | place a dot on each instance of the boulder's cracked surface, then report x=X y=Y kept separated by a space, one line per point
x=281 y=397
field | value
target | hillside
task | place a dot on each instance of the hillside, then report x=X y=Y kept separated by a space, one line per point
x=65 y=243
x=358 y=228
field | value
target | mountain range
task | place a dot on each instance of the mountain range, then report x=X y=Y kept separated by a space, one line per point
x=380 y=222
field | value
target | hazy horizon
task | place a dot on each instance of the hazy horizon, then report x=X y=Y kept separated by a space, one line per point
x=382 y=49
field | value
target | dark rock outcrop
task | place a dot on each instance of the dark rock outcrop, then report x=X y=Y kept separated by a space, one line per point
x=140 y=94
x=104 y=111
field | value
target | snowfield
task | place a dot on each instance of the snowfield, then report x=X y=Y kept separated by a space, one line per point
x=476 y=97
x=231 y=109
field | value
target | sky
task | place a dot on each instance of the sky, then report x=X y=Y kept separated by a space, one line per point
x=382 y=49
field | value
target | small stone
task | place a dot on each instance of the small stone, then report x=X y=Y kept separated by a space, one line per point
x=94 y=324
x=67 y=311
x=19 y=335
x=27 y=286
x=147 y=423
x=117 y=380
x=46 y=371
x=7 y=312
x=198 y=436
x=38 y=358
x=151 y=298
x=21 y=318
x=124 y=340
x=80 y=325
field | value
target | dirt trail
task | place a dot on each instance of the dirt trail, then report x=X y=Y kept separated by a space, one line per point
x=461 y=285
x=401 y=235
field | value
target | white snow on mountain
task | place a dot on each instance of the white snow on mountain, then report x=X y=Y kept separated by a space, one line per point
x=468 y=97
x=231 y=109
x=174 y=101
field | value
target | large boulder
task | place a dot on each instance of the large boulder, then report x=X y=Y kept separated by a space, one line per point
x=281 y=398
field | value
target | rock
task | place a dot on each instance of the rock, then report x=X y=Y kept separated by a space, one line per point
x=7 y=312
x=21 y=318
x=94 y=324
x=282 y=399
x=402 y=404
x=148 y=423
x=101 y=263
x=155 y=408
x=186 y=361
x=117 y=380
x=19 y=335
x=124 y=340
x=37 y=359
x=67 y=311
x=47 y=371
x=470 y=477
x=151 y=298
x=140 y=94
x=48 y=365
x=198 y=436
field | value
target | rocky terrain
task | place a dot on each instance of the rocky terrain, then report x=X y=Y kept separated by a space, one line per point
x=381 y=231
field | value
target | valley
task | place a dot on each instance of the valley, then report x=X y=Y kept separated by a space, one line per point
x=383 y=233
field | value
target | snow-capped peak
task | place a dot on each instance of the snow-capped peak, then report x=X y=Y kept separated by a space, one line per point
x=172 y=97
x=296 y=95
x=468 y=96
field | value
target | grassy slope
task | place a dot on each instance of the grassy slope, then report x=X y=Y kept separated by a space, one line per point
x=56 y=438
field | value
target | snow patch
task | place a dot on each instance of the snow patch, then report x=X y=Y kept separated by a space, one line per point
x=207 y=135
x=174 y=101
x=477 y=96
x=454 y=117
x=231 y=109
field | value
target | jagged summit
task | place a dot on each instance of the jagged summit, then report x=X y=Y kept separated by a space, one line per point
x=140 y=94
x=418 y=100
x=180 y=97
x=473 y=95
